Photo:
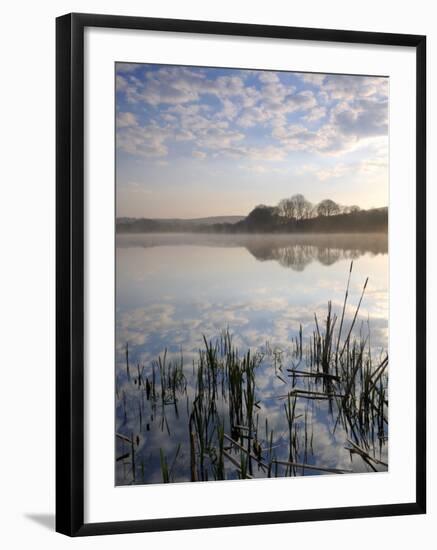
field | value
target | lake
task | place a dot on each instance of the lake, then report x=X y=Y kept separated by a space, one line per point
x=237 y=357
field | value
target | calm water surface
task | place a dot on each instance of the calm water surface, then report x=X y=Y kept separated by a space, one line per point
x=174 y=290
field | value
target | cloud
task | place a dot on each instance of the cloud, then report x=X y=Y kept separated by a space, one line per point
x=268 y=77
x=367 y=168
x=182 y=85
x=128 y=67
x=269 y=153
x=126 y=120
x=146 y=140
x=121 y=84
x=217 y=138
x=363 y=118
x=312 y=78
x=354 y=108
x=170 y=85
x=230 y=109
x=345 y=129
x=252 y=116
x=350 y=87
x=315 y=114
x=336 y=171
x=199 y=154
x=221 y=114
x=143 y=142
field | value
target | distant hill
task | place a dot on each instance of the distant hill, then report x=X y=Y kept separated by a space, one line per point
x=208 y=221
x=145 y=225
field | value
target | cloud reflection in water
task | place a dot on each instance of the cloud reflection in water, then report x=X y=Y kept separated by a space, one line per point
x=173 y=289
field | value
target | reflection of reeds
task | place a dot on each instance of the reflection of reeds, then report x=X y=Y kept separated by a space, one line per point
x=167 y=473
x=127 y=361
x=223 y=407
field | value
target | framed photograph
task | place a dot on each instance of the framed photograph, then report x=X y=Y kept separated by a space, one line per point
x=240 y=274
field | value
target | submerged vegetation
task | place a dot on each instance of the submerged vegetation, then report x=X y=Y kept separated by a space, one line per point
x=319 y=407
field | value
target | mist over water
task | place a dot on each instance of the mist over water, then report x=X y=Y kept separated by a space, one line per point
x=172 y=290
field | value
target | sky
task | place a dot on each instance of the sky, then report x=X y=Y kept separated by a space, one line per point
x=195 y=141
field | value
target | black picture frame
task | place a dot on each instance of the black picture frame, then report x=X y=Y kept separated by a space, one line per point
x=70 y=273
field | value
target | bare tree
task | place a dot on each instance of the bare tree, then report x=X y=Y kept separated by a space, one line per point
x=295 y=207
x=328 y=207
x=307 y=210
x=300 y=205
x=350 y=209
x=286 y=209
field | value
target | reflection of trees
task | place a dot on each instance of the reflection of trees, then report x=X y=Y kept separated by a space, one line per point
x=297 y=255
x=329 y=256
x=291 y=251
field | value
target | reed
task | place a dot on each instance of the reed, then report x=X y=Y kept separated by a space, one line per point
x=332 y=370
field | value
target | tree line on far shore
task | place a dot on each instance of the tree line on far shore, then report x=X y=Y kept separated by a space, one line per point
x=299 y=208
x=292 y=215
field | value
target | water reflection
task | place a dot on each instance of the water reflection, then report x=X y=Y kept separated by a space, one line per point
x=293 y=251
x=172 y=290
